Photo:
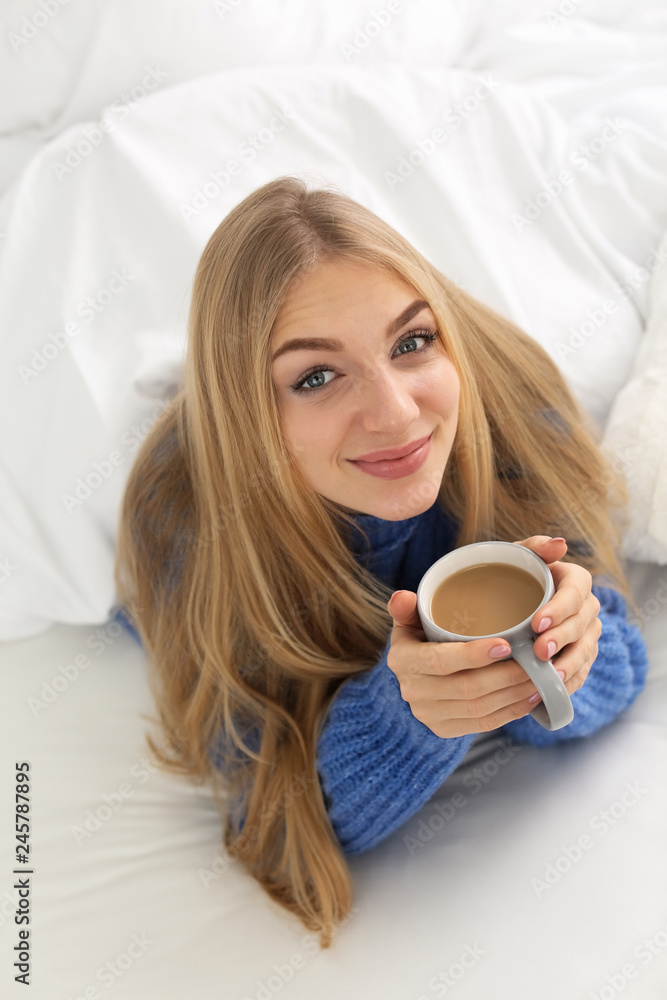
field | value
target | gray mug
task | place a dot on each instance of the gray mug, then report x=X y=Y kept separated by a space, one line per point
x=555 y=710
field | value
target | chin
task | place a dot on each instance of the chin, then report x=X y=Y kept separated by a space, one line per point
x=408 y=503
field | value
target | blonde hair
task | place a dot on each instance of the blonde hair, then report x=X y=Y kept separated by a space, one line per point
x=251 y=628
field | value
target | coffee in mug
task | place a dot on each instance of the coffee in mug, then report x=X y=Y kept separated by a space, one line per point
x=496 y=586
x=484 y=599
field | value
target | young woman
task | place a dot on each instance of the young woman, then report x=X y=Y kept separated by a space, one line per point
x=347 y=416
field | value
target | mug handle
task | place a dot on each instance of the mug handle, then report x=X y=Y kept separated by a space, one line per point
x=555 y=710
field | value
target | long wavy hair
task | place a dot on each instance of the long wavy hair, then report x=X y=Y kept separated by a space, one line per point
x=250 y=627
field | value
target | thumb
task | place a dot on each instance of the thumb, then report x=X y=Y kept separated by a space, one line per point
x=402 y=606
x=547 y=548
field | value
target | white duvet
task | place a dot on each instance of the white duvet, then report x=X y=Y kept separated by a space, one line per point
x=636 y=431
x=523 y=150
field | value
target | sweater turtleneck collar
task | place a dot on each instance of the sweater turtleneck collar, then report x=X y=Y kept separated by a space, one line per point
x=399 y=552
x=383 y=536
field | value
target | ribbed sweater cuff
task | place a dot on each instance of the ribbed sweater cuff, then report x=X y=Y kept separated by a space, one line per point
x=377 y=763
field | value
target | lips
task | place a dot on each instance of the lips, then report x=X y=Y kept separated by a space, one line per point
x=392 y=453
x=410 y=462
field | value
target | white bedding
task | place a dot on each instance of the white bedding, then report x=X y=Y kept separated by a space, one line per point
x=126 y=856
x=144 y=904
x=636 y=431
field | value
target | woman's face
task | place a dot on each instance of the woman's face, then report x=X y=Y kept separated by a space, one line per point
x=355 y=374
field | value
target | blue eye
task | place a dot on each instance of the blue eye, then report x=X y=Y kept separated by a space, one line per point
x=315 y=375
x=300 y=387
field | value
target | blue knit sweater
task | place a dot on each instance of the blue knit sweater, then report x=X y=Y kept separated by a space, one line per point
x=376 y=762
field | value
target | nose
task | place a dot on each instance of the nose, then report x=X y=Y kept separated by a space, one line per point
x=386 y=402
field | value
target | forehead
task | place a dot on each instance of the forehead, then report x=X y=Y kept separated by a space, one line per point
x=338 y=288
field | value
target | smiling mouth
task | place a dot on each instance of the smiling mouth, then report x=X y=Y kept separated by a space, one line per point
x=396 y=468
x=392 y=454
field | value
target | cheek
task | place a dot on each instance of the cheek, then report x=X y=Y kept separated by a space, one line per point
x=442 y=387
x=307 y=434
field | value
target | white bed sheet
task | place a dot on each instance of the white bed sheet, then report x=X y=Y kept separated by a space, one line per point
x=153 y=877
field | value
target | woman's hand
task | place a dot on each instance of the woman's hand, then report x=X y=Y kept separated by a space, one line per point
x=574 y=627
x=456 y=688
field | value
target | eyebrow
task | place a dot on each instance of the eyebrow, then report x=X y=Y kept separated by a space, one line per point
x=326 y=344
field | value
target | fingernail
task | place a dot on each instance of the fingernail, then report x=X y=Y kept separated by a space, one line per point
x=561 y=674
x=558 y=538
x=551 y=648
x=544 y=625
x=497 y=651
x=534 y=698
